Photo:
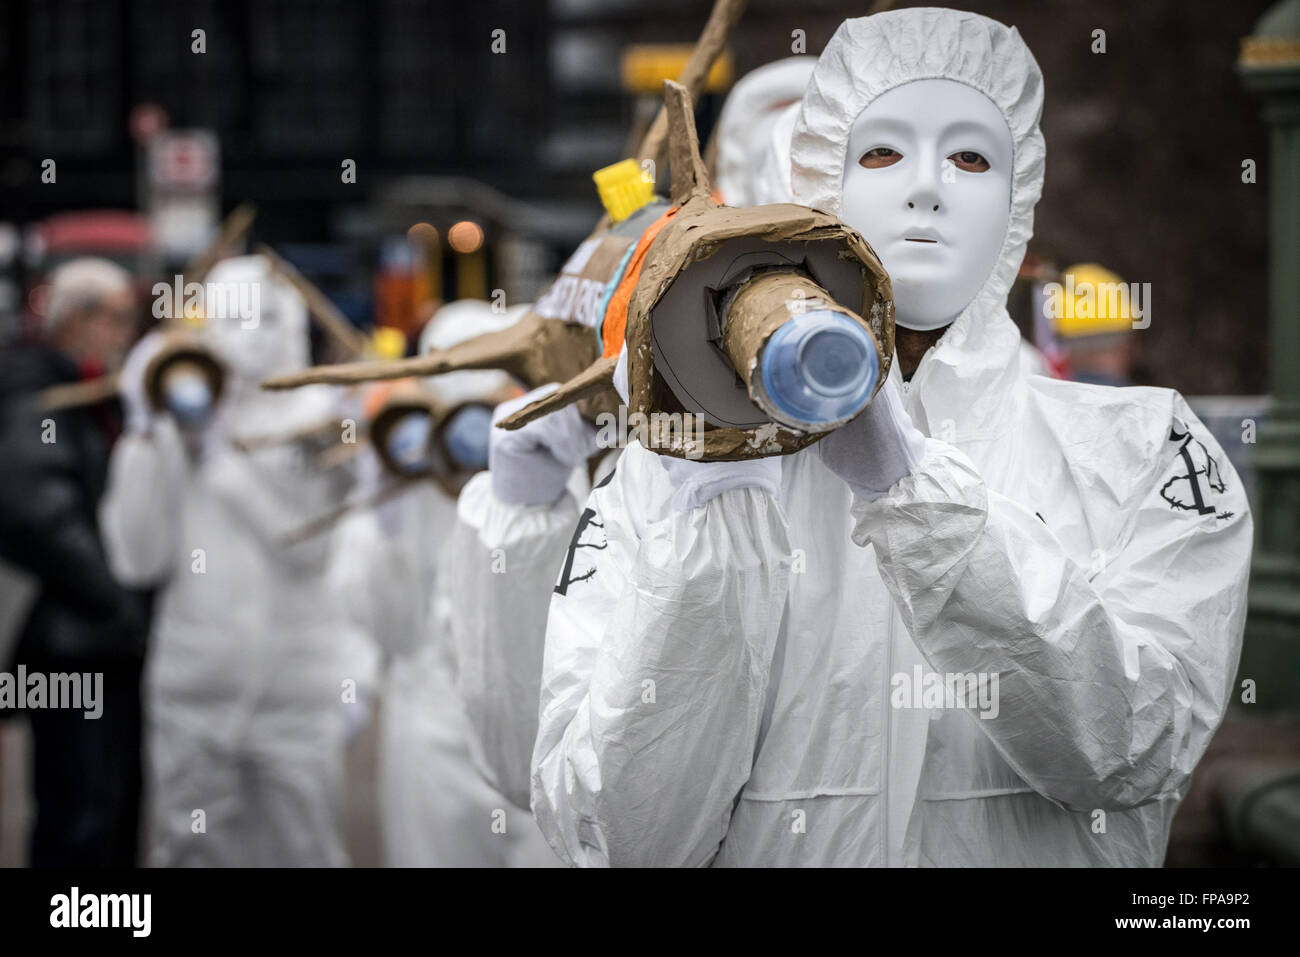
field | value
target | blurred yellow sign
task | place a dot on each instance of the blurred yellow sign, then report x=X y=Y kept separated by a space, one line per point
x=647 y=65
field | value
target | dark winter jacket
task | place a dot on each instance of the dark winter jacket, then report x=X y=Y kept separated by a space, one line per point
x=53 y=467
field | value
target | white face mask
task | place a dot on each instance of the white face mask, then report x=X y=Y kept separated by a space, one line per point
x=936 y=202
x=251 y=353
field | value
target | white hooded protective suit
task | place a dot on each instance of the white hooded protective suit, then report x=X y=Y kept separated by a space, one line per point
x=745 y=124
x=243 y=679
x=436 y=810
x=772 y=178
x=734 y=685
x=496 y=594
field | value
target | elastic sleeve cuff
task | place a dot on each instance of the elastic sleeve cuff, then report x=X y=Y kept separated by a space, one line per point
x=945 y=478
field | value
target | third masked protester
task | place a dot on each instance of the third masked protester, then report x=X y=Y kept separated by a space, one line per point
x=244 y=681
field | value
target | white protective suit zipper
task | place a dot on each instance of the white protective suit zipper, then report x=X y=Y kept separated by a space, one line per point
x=884 y=764
x=886 y=772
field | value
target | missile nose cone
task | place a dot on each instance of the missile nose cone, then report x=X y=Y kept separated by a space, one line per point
x=466 y=436
x=819 y=369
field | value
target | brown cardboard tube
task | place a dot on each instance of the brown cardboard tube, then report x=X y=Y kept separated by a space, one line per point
x=722 y=19
x=762 y=305
x=493 y=350
x=233 y=228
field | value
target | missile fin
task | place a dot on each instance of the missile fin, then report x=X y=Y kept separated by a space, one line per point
x=690 y=178
x=595 y=378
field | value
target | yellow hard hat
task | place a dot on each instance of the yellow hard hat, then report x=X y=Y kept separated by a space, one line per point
x=1090 y=300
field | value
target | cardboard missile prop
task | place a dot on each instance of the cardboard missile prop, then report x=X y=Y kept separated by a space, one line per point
x=415 y=434
x=749 y=332
x=772 y=324
x=185 y=378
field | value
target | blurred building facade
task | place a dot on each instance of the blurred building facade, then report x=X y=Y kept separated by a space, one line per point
x=1147 y=139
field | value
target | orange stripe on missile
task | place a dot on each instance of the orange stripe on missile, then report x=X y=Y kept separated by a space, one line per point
x=614 y=328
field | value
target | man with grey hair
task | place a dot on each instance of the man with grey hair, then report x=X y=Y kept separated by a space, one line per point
x=86 y=772
x=88 y=315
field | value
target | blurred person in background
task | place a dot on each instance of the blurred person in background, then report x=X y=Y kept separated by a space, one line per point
x=745 y=126
x=245 y=684
x=393 y=565
x=1093 y=320
x=86 y=772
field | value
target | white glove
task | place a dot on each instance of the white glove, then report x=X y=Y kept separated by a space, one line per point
x=531 y=465
x=138 y=412
x=695 y=483
x=877 y=449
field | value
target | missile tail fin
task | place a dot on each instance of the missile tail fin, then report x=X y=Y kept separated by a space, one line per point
x=595 y=378
x=690 y=178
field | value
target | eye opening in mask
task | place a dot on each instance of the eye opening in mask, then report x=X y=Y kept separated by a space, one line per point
x=879 y=157
x=971 y=161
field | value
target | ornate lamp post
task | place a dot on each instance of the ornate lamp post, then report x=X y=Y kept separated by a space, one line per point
x=1269 y=66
